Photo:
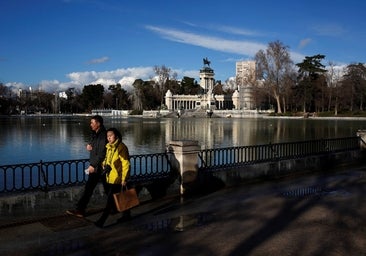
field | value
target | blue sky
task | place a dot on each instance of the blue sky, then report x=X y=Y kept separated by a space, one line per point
x=57 y=44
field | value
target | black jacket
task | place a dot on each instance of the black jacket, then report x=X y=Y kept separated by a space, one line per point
x=98 y=142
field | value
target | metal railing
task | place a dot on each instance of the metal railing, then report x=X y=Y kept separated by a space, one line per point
x=221 y=158
x=150 y=167
x=46 y=175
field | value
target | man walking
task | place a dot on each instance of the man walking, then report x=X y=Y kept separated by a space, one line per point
x=97 y=150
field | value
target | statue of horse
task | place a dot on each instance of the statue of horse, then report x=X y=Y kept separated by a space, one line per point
x=206 y=61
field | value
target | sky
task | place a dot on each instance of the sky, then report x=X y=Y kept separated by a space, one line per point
x=53 y=45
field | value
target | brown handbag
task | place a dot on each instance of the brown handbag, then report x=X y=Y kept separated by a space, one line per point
x=126 y=199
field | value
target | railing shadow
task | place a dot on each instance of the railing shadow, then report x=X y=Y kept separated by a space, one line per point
x=322 y=223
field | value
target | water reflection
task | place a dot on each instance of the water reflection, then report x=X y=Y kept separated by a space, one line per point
x=31 y=139
x=38 y=204
x=178 y=224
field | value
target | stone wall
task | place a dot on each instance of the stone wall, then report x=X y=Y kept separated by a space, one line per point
x=272 y=170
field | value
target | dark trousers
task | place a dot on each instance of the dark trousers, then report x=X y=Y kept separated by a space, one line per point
x=90 y=185
x=110 y=205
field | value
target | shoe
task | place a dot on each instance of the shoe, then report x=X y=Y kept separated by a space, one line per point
x=76 y=213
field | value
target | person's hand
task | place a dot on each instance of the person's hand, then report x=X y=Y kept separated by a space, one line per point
x=89 y=147
x=91 y=169
x=124 y=183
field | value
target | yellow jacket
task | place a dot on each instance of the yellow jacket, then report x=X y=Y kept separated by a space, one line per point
x=117 y=156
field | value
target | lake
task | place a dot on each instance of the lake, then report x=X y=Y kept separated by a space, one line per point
x=30 y=139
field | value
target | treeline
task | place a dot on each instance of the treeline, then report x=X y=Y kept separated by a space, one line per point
x=144 y=95
x=279 y=83
x=307 y=86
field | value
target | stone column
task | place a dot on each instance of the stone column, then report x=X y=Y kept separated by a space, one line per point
x=184 y=157
x=236 y=100
x=169 y=100
x=362 y=135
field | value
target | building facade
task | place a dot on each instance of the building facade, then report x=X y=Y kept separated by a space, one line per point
x=245 y=80
x=242 y=98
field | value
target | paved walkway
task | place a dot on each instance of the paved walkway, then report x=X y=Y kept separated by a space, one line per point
x=309 y=215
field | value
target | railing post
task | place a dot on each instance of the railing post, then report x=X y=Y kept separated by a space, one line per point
x=184 y=157
x=43 y=176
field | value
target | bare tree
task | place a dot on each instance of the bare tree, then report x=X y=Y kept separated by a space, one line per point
x=333 y=81
x=137 y=95
x=274 y=66
x=164 y=74
x=289 y=81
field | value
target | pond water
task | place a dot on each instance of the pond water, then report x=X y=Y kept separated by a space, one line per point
x=30 y=139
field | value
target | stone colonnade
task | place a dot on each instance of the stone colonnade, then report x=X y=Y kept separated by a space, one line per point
x=192 y=102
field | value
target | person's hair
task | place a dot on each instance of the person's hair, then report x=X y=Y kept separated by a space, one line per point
x=98 y=118
x=116 y=133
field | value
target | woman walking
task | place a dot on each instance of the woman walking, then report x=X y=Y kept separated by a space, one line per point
x=116 y=166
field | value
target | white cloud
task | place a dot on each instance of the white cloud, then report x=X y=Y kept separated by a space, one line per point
x=15 y=86
x=242 y=47
x=237 y=31
x=329 y=29
x=214 y=43
x=190 y=73
x=78 y=80
x=99 y=60
x=304 y=42
x=297 y=57
x=49 y=85
x=123 y=76
x=127 y=82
